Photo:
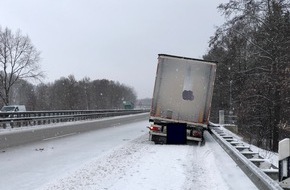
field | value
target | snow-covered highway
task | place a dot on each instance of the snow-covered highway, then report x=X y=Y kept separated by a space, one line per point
x=119 y=157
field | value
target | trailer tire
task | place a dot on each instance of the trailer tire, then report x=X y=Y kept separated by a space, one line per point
x=158 y=140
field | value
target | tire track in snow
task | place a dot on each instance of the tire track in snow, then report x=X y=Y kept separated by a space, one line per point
x=139 y=164
x=202 y=171
x=142 y=165
x=104 y=171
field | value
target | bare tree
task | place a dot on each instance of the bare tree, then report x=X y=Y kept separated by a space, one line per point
x=23 y=93
x=18 y=60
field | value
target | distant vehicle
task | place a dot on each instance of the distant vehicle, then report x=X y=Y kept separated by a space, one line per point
x=13 y=108
x=128 y=105
x=181 y=99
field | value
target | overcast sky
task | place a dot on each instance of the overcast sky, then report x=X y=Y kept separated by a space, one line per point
x=112 y=39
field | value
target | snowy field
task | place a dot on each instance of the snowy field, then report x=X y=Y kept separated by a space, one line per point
x=119 y=157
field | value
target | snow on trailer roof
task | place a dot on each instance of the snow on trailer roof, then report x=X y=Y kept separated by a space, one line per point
x=188 y=58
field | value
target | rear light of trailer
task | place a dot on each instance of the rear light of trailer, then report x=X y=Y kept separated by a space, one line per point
x=155 y=128
x=197 y=134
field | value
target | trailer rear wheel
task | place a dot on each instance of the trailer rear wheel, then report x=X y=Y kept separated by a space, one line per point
x=158 y=139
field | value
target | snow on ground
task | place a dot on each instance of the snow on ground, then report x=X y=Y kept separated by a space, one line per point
x=272 y=157
x=29 y=166
x=119 y=157
x=142 y=165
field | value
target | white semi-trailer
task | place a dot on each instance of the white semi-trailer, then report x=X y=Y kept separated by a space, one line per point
x=181 y=99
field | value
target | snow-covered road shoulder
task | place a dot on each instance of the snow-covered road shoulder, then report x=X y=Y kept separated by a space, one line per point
x=140 y=164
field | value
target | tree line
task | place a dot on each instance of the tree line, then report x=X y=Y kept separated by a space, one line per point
x=67 y=93
x=253 y=75
x=19 y=61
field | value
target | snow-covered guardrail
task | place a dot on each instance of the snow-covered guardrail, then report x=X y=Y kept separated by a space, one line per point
x=263 y=174
x=28 y=118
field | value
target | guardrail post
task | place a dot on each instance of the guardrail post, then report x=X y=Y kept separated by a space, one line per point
x=284 y=163
x=12 y=124
x=221 y=117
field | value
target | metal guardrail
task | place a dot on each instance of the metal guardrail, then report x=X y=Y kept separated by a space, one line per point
x=10 y=138
x=28 y=118
x=247 y=160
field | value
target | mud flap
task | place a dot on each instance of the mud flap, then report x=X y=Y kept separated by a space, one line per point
x=176 y=133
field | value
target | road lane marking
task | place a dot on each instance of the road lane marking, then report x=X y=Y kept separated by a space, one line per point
x=56 y=137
